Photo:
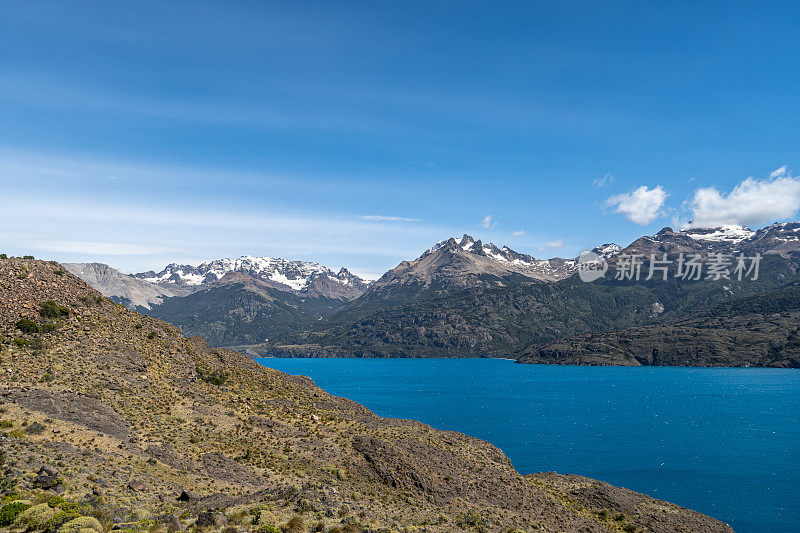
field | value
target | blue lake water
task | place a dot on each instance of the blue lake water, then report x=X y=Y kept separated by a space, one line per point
x=725 y=442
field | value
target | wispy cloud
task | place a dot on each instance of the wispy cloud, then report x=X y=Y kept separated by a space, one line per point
x=145 y=237
x=385 y=218
x=552 y=245
x=101 y=248
x=488 y=222
x=641 y=206
x=605 y=181
x=519 y=233
x=750 y=202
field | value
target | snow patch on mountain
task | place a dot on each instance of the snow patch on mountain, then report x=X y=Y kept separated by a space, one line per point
x=732 y=234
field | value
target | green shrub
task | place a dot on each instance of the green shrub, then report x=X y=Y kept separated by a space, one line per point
x=6 y=424
x=19 y=342
x=152 y=335
x=27 y=325
x=28 y=257
x=9 y=512
x=3 y=256
x=50 y=309
x=48 y=327
x=81 y=523
x=215 y=377
x=54 y=523
x=35 y=429
x=58 y=272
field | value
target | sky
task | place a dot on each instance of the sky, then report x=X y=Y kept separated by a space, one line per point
x=358 y=134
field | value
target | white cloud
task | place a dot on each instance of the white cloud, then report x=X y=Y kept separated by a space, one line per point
x=385 y=218
x=520 y=233
x=751 y=202
x=599 y=183
x=552 y=245
x=488 y=222
x=641 y=206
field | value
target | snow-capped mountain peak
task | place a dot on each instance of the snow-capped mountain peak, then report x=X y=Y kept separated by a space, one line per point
x=732 y=234
x=299 y=276
x=607 y=250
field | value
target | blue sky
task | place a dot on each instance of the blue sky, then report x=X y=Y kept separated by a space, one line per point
x=359 y=134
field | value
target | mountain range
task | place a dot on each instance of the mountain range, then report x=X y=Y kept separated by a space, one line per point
x=463 y=297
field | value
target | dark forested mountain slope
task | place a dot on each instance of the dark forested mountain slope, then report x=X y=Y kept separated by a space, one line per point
x=240 y=309
x=761 y=330
x=511 y=321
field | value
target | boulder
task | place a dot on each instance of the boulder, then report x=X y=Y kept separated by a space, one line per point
x=188 y=496
x=46 y=478
x=211 y=519
x=171 y=522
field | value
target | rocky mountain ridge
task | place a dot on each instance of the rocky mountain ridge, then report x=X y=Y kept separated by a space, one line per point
x=778 y=238
x=125 y=289
x=463 y=297
x=304 y=277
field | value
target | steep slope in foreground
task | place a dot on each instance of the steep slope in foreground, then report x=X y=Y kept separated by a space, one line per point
x=762 y=330
x=120 y=414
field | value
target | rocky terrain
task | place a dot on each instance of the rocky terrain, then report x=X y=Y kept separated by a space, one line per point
x=114 y=420
x=124 y=289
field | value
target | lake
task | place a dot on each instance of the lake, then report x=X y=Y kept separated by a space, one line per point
x=725 y=442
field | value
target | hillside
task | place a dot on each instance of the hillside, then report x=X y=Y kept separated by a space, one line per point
x=512 y=321
x=129 y=422
x=762 y=330
x=241 y=309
